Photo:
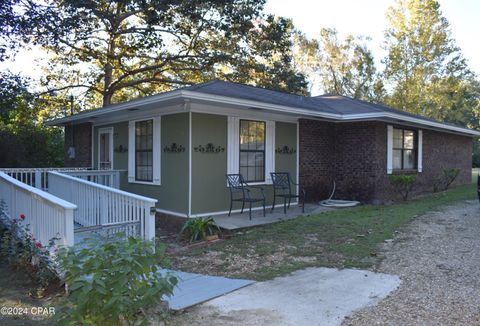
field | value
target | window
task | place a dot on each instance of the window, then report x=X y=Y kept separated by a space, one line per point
x=252 y=150
x=404 y=149
x=144 y=150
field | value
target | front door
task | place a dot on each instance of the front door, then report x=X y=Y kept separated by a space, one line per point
x=105 y=146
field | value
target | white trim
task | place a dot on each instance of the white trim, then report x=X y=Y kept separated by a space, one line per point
x=245 y=210
x=157 y=144
x=131 y=151
x=389 y=149
x=156 y=151
x=233 y=145
x=185 y=94
x=298 y=159
x=190 y=145
x=159 y=210
x=93 y=147
x=269 y=150
x=109 y=131
x=420 y=151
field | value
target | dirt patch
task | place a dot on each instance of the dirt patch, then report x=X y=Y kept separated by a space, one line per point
x=17 y=290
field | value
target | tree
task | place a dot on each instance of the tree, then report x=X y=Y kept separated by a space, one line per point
x=112 y=51
x=268 y=60
x=21 y=132
x=343 y=67
x=425 y=69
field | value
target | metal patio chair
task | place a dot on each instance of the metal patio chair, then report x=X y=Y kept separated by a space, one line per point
x=240 y=191
x=282 y=187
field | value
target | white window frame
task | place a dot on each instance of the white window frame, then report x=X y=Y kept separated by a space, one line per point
x=109 y=131
x=233 y=147
x=390 y=150
x=156 y=152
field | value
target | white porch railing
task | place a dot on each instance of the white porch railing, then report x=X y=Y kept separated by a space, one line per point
x=110 y=178
x=38 y=177
x=47 y=215
x=102 y=205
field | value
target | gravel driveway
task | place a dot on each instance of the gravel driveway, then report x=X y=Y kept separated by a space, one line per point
x=438 y=260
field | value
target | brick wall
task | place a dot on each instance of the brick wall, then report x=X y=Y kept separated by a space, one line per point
x=82 y=141
x=355 y=156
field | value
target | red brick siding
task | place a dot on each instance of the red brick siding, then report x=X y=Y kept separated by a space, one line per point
x=82 y=141
x=355 y=156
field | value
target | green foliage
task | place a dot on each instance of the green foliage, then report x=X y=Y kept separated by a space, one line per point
x=445 y=179
x=23 y=252
x=113 y=282
x=197 y=229
x=343 y=67
x=402 y=184
x=112 y=51
x=424 y=67
x=24 y=141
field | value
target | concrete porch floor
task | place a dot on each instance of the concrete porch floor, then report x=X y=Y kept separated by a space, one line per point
x=239 y=221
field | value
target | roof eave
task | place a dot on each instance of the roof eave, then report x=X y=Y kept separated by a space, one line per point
x=192 y=95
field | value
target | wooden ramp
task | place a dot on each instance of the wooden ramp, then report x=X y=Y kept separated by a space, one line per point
x=193 y=288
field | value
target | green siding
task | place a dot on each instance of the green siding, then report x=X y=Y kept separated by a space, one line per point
x=172 y=194
x=286 y=135
x=209 y=190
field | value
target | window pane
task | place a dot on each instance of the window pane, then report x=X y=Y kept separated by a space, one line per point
x=252 y=150
x=397 y=159
x=408 y=159
x=397 y=138
x=144 y=150
x=408 y=141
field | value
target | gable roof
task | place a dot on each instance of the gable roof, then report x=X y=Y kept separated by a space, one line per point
x=331 y=107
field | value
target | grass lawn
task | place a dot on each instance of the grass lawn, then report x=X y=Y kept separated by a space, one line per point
x=341 y=238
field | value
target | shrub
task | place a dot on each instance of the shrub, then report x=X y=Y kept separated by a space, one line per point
x=402 y=184
x=24 y=252
x=445 y=179
x=199 y=228
x=113 y=282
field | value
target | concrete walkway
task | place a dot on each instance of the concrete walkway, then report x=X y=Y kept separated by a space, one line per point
x=193 y=288
x=314 y=296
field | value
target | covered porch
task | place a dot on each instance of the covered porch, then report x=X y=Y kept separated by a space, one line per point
x=237 y=221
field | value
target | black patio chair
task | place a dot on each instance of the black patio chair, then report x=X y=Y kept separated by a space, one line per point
x=240 y=191
x=282 y=187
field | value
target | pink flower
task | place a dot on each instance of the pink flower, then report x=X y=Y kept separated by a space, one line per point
x=22 y=216
x=38 y=244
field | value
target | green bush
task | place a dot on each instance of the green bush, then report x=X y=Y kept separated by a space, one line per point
x=23 y=252
x=445 y=179
x=199 y=228
x=113 y=282
x=403 y=184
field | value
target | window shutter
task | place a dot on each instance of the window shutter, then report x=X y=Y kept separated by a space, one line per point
x=131 y=151
x=420 y=151
x=389 y=149
x=269 y=150
x=233 y=145
x=156 y=150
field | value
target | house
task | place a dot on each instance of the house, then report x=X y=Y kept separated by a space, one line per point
x=178 y=146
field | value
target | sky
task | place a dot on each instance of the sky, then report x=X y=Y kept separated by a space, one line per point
x=365 y=18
